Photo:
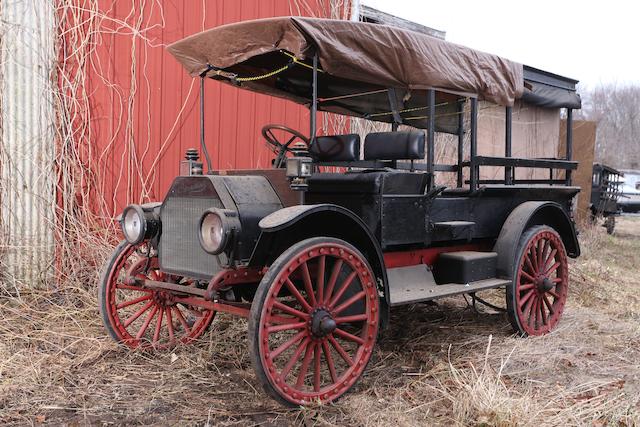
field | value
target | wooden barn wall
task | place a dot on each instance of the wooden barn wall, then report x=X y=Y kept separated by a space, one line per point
x=584 y=143
x=144 y=106
x=535 y=134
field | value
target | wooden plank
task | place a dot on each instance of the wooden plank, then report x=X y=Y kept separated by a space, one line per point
x=369 y=14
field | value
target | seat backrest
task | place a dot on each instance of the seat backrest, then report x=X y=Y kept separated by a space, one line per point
x=336 y=148
x=394 y=146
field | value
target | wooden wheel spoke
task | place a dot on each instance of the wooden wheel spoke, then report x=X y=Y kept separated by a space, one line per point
x=304 y=368
x=332 y=280
x=348 y=336
x=156 y=333
x=285 y=327
x=146 y=323
x=297 y=295
x=527 y=309
x=170 y=325
x=527 y=276
x=320 y=278
x=526 y=287
x=291 y=341
x=527 y=261
x=543 y=311
x=308 y=286
x=533 y=254
x=182 y=320
x=343 y=287
x=536 y=312
x=290 y=310
x=282 y=320
x=349 y=319
x=341 y=351
x=553 y=293
x=527 y=297
x=133 y=301
x=316 y=367
x=137 y=314
x=348 y=303
x=540 y=250
x=294 y=359
x=548 y=304
x=550 y=258
x=329 y=358
x=553 y=268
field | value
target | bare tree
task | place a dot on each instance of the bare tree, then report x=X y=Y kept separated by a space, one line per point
x=616 y=109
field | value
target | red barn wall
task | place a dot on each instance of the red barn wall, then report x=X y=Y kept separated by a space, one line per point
x=144 y=106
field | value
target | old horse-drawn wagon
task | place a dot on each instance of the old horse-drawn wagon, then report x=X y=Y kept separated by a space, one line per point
x=606 y=191
x=314 y=259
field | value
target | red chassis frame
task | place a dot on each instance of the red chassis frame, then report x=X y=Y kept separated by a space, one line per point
x=206 y=298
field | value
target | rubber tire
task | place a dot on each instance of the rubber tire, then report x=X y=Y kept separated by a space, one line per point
x=510 y=294
x=102 y=289
x=256 y=310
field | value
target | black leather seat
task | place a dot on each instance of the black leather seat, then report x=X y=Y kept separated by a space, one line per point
x=336 y=148
x=369 y=182
x=377 y=146
x=394 y=146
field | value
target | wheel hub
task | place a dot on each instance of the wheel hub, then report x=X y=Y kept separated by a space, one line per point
x=162 y=298
x=322 y=324
x=546 y=284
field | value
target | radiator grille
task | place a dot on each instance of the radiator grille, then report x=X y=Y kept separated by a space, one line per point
x=180 y=250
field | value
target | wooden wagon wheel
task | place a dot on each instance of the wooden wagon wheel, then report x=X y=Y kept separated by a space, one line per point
x=314 y=322
x=536 y=299
x=145 y=318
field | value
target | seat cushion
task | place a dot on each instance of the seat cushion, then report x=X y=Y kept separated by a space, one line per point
x=336 y=148
x=369 y=182
x=360 y=182
x=394 y=146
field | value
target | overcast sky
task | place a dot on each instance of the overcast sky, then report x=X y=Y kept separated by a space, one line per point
x=590 y=41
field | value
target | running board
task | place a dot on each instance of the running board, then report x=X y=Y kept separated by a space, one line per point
x=416 y=284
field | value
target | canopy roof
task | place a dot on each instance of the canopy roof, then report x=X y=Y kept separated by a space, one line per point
x=359 y=63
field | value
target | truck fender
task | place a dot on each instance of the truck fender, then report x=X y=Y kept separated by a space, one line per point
x=286 y=226
x=527 y=215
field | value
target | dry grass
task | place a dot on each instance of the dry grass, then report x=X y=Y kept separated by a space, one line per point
x=438 y=364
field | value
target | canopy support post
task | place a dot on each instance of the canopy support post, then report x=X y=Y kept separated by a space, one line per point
x=314 y=100
x=508 y=171
x=203 y=145
x=460 y=141
x=431 y=103
x=474 y=168
x=569 y=142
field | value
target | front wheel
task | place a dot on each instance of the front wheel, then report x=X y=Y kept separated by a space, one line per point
x=139 y=317
x=314 y=322
x=538 y=294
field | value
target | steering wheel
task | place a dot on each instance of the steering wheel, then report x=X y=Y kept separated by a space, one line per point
x=278 y=147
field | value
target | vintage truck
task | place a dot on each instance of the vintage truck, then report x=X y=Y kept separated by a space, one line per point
x=315 y=260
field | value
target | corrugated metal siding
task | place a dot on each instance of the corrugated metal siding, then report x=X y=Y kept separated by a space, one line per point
x=143 y=124
x=27 y=151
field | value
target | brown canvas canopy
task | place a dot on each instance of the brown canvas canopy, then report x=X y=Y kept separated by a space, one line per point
x=359 y=63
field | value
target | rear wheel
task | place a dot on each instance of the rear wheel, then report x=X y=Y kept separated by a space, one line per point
x=610 y=224
x=538 y=294
x=144 y=318
x=314 y=322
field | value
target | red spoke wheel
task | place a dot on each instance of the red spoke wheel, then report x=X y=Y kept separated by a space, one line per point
x=536 y=299
x=314 y=322
x=145 y=318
